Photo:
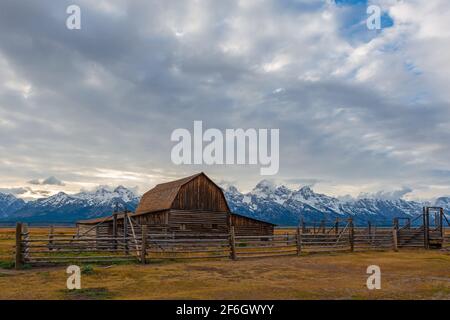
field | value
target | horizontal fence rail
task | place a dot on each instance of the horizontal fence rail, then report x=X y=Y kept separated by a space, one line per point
x=142 y=244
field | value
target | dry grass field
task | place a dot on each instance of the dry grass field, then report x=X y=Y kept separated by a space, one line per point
x=409 y=274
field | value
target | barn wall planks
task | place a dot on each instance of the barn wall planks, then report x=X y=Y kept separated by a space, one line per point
x=198 y=221
x=246 y=226
x=200 y=194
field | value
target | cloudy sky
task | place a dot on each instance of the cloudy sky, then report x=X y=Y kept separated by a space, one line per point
x=359 y=110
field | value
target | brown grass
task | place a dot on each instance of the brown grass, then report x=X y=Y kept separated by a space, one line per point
x=409 y=274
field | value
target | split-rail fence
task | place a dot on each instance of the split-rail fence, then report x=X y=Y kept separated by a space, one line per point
x=142 y=245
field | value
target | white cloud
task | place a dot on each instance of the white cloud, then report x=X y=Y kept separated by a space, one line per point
x=97 y=107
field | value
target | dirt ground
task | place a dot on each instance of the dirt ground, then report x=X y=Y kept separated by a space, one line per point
x=408 y=274
x=415 y=274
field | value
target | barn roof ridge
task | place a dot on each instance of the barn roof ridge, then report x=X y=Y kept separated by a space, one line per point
x=161 y=197
x=179 y=182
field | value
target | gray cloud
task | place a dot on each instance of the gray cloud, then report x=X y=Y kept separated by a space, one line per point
x=51 y=181
x=26 y=192
x=14 y=191
x=305 y=181
x=86 y=105
x=388 y=195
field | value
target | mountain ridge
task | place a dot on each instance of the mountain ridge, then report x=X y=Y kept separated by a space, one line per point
x=266 y=201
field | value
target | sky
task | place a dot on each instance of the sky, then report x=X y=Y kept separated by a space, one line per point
x=359 y=110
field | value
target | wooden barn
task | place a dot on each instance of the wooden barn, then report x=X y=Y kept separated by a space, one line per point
x=193 y=204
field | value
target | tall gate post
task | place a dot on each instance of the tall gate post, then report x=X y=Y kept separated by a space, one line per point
x=299 y=241
x=395 y=234
x=351 y=234
x=50 y=238
x=125 y=231
x=395 y=239
x=426 y=226
x=19 y=253
x=232 y=244
x=144 y=244
x=114 y=230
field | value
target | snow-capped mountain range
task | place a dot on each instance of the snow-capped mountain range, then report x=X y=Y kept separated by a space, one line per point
x=284 y=206
x=277 y=204
x=63 y=207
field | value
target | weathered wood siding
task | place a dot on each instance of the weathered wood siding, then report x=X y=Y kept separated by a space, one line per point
x=198 y=221
x=89 y=230
x=248 y=227
x=155 y=221
x=200 y=194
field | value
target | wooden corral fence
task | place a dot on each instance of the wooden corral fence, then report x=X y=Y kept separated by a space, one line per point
x=136 y=243
x=144 y=245
x=65 y=248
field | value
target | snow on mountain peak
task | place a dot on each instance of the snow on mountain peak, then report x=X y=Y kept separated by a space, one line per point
x=263 y=189
x=7 y=198
x=104 y=194
x=232 y=189
x=283 y=190
x=306 y=192
x=55 y=200
x=121 y=189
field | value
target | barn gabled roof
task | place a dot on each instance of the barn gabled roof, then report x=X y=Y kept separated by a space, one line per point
x=253 y=219
x=162 y=196
x=120 y=215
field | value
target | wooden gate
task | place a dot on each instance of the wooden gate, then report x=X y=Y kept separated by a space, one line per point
x=426 y=230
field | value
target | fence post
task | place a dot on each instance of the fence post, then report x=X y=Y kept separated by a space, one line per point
x=19 y=255
x=98 y=243
x=396 y=224
x=371 y=234
x=232 y=244
x=25 y=247
x=125 y=231
x=425 y=228
x=395 y=239
x=115 y=229
x=336 y=226
x=50 y=238
x=427 y=218
x=351 y=234
x=144 y=244
x=299 y=241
